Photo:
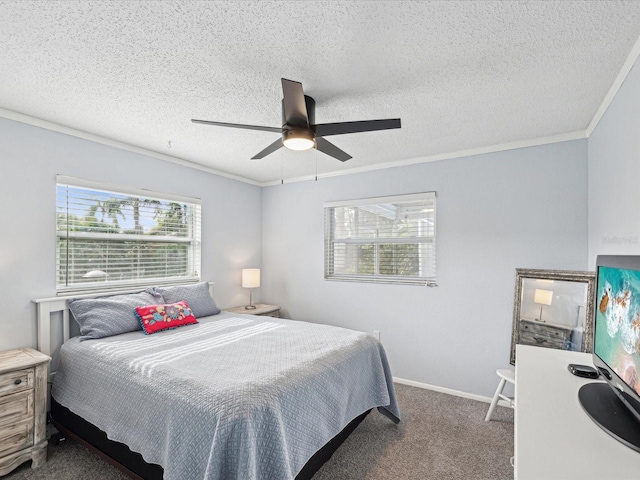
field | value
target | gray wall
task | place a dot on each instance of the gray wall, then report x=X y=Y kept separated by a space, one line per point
x=614 y=175
x=30 y=158
x=495 y=212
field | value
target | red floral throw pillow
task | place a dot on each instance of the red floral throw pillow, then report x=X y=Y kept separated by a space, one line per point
x=154 y=318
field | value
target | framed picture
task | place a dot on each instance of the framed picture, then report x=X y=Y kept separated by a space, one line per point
x=553 y=309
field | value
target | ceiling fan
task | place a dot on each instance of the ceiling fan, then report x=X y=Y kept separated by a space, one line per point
x=299 y=130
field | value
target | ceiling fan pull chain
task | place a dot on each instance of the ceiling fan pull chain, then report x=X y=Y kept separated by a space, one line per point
x=316 y=157
x=281 y=171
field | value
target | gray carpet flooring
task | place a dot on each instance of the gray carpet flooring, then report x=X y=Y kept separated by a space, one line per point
x=440 y=437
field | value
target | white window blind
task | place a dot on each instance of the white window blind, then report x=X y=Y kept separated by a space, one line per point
x=382 y=240
x=112 y=237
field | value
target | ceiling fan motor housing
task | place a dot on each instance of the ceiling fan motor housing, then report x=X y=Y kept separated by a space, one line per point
x=299 y=136
x=310 y=103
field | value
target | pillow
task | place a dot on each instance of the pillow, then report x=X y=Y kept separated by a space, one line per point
x=107 y=316
x=197 y=296
x=154 y=318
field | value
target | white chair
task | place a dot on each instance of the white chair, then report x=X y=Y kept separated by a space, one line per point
x=505 y=376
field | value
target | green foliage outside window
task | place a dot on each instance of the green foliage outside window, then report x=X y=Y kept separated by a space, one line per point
x=105 y=236
x=393 y=239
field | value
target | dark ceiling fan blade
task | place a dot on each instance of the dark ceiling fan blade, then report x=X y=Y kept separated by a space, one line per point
x=270 y=149
x=330 y=149
x=239 y=125
x=326 y=129
x=294 y=106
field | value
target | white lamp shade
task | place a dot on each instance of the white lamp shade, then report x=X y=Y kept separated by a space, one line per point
x=543 y=297
x=250 y=277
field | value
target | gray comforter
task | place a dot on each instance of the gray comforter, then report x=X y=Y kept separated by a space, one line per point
x=234 y=397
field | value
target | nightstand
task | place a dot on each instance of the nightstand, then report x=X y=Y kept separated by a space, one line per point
x=261 y=309
x=23 y=408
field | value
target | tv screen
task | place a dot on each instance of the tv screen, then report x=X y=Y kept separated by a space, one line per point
x=617 y=326
x=615 y=404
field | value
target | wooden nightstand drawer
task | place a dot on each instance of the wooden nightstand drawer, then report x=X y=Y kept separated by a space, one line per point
x=16 y=437
x=16 y=381
x=23 y=408
x=15 y=407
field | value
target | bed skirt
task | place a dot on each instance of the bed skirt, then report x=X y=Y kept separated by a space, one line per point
x=119 y=455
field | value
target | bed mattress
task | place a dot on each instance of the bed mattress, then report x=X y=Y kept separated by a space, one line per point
x=233 y=397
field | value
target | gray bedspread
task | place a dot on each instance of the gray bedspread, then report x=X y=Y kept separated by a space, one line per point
x=234 y=397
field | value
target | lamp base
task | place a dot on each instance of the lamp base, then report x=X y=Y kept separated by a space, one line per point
x=250 y=307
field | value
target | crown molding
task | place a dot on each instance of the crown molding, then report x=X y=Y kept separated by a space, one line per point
x=563 y=137
x=38 y=122
x=617 y=83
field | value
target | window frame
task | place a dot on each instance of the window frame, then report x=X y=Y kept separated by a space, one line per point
x=377 y=277
x=194 y=239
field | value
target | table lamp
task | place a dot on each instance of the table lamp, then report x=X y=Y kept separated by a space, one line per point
x=250 y=280
x=543 y=297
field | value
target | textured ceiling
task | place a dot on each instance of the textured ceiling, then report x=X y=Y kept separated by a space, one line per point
x=461 y=75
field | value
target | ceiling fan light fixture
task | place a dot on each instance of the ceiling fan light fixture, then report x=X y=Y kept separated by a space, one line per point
x=298 y=139
x=299 y=128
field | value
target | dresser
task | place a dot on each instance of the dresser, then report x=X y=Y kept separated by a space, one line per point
x=544 y=334
x=261 y=309
x=23 y=408
x=554 y=439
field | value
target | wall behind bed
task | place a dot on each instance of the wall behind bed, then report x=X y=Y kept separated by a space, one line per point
x=495 y=212
x=30 y=158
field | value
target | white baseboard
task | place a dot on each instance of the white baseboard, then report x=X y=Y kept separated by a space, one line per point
x=448 y=391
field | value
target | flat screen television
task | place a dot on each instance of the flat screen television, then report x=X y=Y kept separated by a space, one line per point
x=615 y=404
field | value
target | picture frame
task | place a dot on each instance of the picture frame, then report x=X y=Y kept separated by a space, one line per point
x=567 y=323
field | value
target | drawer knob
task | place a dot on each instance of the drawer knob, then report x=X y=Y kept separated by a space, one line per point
x=18 y=381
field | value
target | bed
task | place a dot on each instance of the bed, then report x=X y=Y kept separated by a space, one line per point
x=231 y=397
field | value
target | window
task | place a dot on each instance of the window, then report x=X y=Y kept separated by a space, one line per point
x=382 y=240
x=109 y=236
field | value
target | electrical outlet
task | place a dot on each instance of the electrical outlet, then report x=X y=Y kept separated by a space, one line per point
x=376 y=334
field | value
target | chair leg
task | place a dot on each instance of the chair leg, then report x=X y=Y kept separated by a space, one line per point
x=494 y=402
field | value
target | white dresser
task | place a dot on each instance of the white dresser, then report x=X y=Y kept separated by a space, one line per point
x=554 y=437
